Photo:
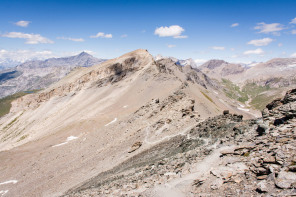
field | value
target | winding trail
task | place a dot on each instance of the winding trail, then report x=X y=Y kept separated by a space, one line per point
x=177 y=187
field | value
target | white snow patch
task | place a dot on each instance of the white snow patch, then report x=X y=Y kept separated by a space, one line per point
x=8 y=182
x=115 y=119
x=3 y=192
x=125 y=106
x=70 y=138
x=241 y=105
x=169 y=174
x=292 y=66
x=215 y=92
x=243 y=109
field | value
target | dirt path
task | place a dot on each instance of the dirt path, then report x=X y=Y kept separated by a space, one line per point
x=177 y=187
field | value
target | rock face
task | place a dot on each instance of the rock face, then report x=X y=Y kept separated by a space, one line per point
x=221 y=156
x=39 y=74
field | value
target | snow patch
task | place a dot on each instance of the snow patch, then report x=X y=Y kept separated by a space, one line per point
x=3 y=192
x=241 y=105
x=243 y=109
x=215 y=92
x=115 y=119
x=8 y=182
x=125 y=106
x=70 y=138
x=292 y=66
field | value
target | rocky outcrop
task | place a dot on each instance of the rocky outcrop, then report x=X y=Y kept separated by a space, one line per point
x=281 y=110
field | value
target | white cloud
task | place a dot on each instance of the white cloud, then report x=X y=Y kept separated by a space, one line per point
x=30 y=38
x=258 y=51
x=101 y=35
x=24 y=55
x=72 y=39
x=22 y=23
x=280 y=44
x=293 y=55
x=261 y=42
x=218 y=48
x=269 y=28
x=293 y=31
x=199 y=61
x=171 y=45
x=293 y=21
x=234 y=25
x=174 y=31
x=124 y=36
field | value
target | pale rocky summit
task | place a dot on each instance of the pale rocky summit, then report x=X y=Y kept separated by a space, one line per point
x=39 y=74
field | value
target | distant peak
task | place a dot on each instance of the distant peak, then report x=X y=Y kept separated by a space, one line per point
x=84 y=54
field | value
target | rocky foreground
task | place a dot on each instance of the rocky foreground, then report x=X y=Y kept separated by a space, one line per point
x=222 y=156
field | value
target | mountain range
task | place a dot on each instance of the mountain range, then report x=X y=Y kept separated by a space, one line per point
x=138 y=125
x=39 y=74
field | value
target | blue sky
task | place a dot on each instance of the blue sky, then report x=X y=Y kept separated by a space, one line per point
x=233 y=30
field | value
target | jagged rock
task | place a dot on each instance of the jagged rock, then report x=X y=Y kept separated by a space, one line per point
x=135 y=147
x=285 y=180
x=225 y=112
x=261 y=129
x=262 y=186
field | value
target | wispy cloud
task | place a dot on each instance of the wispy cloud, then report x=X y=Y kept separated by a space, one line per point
x=218 y=48
x=174 y=31
x=102 y=35
x=293 y=21
x=293 y=55
x=123 y=36
x=23 y=23
x=293 y=31
x=30 y=38
x=234 y=25
x=280 y=44
x=269 y=28
x=258 y=51
x=71 y=39
x=24 y=55
x=171 y=45
x=261 y=42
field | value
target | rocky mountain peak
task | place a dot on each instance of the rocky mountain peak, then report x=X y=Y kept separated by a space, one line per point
x=212 y=64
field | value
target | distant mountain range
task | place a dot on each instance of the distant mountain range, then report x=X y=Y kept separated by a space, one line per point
x=38 y=74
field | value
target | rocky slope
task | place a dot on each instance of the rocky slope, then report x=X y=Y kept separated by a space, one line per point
x=39 y=74
x=97 y=118
x=222 y=156
x=219 y=69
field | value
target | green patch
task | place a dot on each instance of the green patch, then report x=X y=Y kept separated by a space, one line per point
x=209 y=98
x=5 y=103
x=247 y=154
x=250 y=91
x=233 y=91
x=22 y=138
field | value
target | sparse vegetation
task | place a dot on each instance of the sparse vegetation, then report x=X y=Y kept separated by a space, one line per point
x=233 y=91
x=22 y=138
x=209 y=98
x=250 y=91
x=5 y=103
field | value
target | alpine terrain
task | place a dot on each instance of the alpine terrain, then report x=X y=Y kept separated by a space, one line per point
x=118 y=116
